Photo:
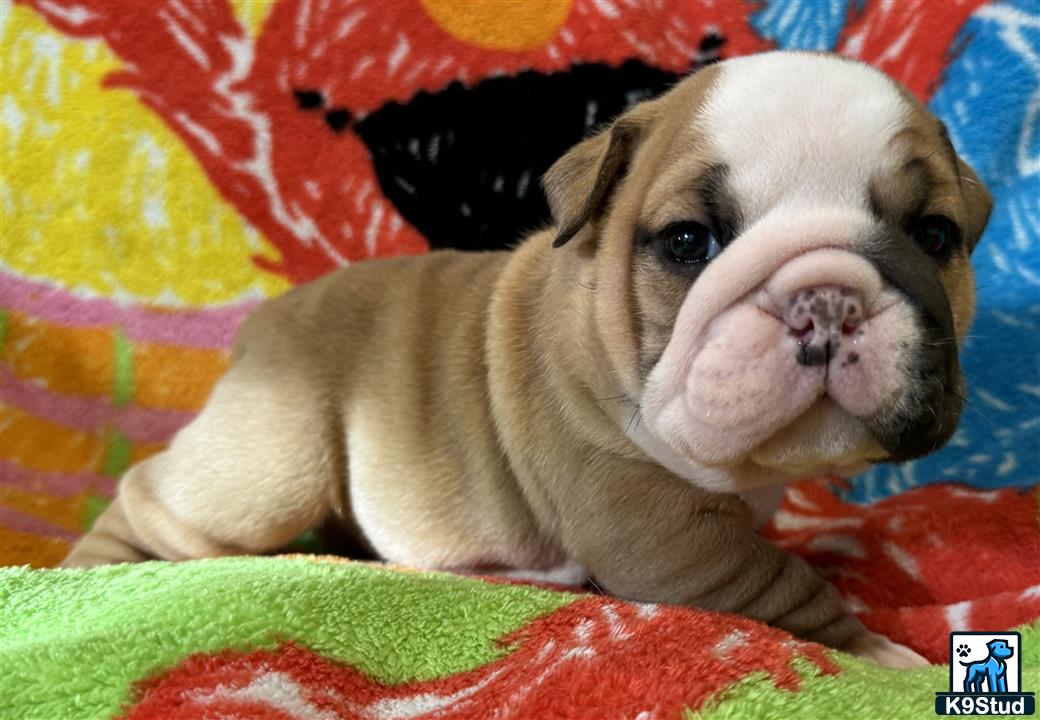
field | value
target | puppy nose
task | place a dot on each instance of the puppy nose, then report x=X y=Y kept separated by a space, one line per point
x=820 y=317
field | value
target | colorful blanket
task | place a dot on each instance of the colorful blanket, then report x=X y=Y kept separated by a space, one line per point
x=168 y=164
x=310 y=638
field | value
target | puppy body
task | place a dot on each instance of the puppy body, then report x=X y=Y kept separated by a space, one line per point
x=600 y=406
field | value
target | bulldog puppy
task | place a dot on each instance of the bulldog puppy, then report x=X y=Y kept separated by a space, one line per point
x=761 y=276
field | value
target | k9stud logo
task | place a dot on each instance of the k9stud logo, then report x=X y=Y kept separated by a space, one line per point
x=985 y=676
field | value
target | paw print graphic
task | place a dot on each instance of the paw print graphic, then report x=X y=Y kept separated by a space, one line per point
x=963 y=650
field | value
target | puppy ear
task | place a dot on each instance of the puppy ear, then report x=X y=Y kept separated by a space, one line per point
x=979 y=201
x=578 y=184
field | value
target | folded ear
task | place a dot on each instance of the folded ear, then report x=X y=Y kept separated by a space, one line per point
x=579 y=183
x=979 y=201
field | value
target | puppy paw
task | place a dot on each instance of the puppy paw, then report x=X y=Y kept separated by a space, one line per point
x=884 y=652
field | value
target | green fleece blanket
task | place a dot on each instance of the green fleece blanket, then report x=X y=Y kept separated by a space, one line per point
x=274 y=637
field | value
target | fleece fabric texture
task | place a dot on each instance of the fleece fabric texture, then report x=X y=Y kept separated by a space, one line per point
x=166 y=165
x=309 y=637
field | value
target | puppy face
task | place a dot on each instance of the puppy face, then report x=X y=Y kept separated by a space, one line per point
x=782 y=253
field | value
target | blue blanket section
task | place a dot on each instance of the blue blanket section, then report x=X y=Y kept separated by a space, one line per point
x=990 y=101
x=804 y=24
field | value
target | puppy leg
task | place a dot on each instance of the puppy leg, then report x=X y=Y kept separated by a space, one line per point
x=884 y=652
x=255 y=469
x=647 y=535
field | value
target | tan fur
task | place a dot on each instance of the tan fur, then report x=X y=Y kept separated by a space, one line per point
x=471 y=407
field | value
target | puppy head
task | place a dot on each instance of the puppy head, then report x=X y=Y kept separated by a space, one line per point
x=781 y=248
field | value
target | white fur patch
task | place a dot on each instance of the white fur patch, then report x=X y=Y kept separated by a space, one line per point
x=801 y=129
x=715 y=479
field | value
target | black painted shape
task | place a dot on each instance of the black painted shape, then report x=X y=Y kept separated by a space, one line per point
x=711 y=43
x=338 y=119
x=309 y=99
x=463 y=165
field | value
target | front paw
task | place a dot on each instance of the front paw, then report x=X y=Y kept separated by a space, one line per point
x=884 y=652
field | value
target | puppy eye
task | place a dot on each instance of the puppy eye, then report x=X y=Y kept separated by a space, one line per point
x=690 y=243
x=936 y=234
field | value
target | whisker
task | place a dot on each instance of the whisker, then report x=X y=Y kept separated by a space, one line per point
x=935 y=443
x=978 y=411
x=633 y=419
x=969 y=405
x=948 y=340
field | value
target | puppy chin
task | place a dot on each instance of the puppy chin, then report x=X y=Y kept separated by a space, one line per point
x=825 y=440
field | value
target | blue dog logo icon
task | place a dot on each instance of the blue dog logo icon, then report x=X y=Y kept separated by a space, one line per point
x=985 y=676
x=991 y=672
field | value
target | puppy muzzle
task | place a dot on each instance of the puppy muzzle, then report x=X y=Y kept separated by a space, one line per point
x=803 y=346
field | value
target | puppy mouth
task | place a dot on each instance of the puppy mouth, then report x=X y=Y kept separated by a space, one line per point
x=825 y=439
x=751 y=395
